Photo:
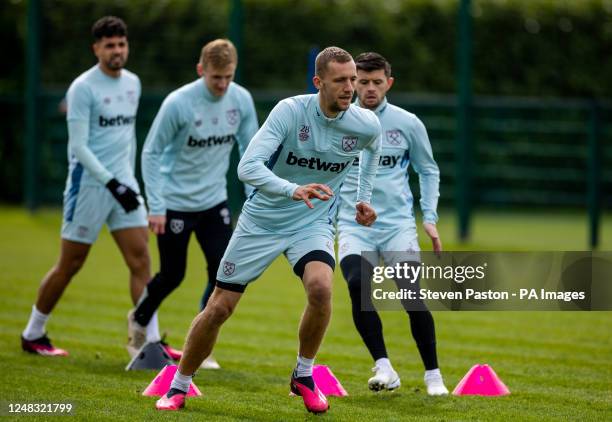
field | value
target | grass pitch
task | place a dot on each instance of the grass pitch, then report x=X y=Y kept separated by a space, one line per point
x=558 y=365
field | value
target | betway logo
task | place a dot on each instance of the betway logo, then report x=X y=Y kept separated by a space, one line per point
x=210 y=141
x=316 y=163
x=120 y=120
x=384 y=161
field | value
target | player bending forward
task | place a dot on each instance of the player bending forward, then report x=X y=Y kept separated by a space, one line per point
x=303 y=152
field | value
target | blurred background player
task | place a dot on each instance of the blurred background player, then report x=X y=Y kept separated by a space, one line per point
x=101 y=187
x=306 y=138
x=184 y=164
x=404 y=142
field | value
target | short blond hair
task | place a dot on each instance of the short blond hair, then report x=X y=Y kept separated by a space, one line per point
x=330 y=54
x=219 y=53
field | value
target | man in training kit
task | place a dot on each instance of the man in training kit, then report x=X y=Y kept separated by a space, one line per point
x=306 y=139
x=184 y=164
x=101 y=187
x=404 y=142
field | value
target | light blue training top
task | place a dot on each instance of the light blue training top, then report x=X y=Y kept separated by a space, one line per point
x=298 y=145
x=405 y=142
x=101 y=120
x=186 y=154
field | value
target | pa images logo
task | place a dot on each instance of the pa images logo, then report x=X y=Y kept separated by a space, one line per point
x=349 y=143
x=228 y=268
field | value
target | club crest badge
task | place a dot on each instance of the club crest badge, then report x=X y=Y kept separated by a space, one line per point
x=304 y=134
x=349 y=143
x=131 y=96
x=176 y=225
x=228 y=268
x=232 y=116
x=394 y=137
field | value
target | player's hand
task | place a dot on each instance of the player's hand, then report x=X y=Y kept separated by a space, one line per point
x=432 y=232
x=313 y=190
x=124 y=195
x=366 y=216
x=157 y=224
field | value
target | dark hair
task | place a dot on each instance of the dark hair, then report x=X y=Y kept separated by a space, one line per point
x=109 y=26
x=330 y=54
x=369 y=62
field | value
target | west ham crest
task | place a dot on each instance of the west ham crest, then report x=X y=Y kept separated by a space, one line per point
x=349 y=143
x=232 y=116
x=131 y=96
x=177 y=225
x=394 y=137
x=304 y=133
x=228 y=268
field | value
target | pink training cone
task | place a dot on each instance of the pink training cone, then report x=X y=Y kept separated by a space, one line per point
x=161 y=383
x=481 y=380
x=327 y=382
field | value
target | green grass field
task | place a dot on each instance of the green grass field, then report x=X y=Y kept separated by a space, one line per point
x=558 y=365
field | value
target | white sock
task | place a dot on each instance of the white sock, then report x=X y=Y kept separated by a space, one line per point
x=433 y=373
x=304 y=367
x=181 y=382
x=153 y=330
x=383 y=363
x=36 y=325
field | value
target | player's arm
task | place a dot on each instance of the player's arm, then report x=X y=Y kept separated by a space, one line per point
x=248 y=128
x=423 y=162
x=78 y=117
x=163 y=130
x=263 y=150
x=368 y=165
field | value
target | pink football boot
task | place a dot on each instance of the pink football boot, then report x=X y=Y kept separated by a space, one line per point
x=176 y=400
x=314 y=400
x=174 y=354
x=42 y=346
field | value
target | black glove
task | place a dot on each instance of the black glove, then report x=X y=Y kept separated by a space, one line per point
x=124 y=195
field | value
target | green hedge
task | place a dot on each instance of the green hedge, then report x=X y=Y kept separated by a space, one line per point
x=521 y=47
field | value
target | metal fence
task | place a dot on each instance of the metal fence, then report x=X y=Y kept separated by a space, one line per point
x=525 y=152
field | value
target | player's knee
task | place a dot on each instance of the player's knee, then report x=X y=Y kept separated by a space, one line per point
x=139 y=262
x=352 y=271
x=67 y=268
x=319 y=292
x=218 y=312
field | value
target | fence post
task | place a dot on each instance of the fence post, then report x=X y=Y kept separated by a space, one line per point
x=235 y=34
x=594 y=175
x=32 y=106
x=464 y=151
x=312 y=56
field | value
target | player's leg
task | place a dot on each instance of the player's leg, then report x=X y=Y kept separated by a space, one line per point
x=315 y=267
x=84 y=215
x=422 y=324
x=133 y=244
x=367 y=321
x=249 y=252
x=213 y=232
x=71 y=259
x=129 y=230
x=357 y=270
x=172 y=246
